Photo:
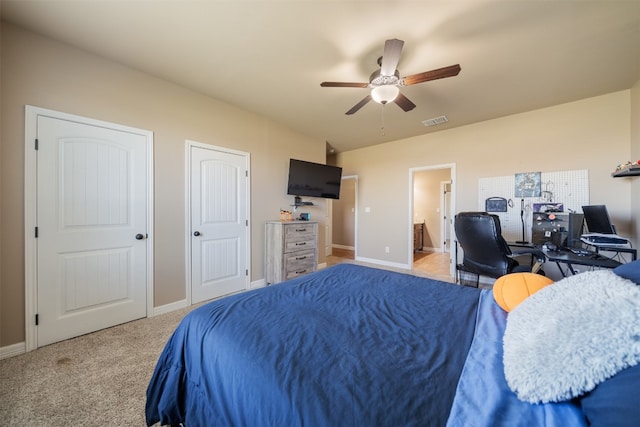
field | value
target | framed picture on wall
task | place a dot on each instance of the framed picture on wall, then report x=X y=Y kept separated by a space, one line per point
x=528 y=184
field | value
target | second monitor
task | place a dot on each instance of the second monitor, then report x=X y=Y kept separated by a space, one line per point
x=597 y=219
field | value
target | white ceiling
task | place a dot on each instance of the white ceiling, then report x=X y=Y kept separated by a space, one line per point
x=269 y=56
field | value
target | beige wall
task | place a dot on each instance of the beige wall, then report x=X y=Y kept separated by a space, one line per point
x=592 y=134
x=39 y=72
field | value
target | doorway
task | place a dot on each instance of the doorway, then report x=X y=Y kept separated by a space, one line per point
x=344 y=218
x=218 y=221
x=88 y=239
x=431 y=206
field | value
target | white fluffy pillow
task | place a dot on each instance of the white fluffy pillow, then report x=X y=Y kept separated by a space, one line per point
x=567 y=338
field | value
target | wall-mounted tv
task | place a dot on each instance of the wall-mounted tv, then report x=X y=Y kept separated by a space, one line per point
x=314 y=179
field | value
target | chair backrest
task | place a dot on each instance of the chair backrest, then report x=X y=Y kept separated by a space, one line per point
x=485 y=251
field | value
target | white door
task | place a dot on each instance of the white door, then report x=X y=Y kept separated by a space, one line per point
x=219 y=222
x=445 y=208
x=92 y=227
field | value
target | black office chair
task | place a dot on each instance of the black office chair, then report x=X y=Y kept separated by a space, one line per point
x=486 y=253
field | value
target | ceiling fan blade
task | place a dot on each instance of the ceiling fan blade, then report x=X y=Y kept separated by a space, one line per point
x=440 y=73
x=404 y=102
x=343 y=84
x=359 y=105
x=390 y=57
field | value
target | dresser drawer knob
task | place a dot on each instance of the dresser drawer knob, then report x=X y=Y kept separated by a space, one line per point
x=301 y=243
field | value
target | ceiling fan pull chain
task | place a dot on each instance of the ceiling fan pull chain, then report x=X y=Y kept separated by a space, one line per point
x=382 y=120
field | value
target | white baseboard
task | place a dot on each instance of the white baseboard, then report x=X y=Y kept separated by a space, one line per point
x=385 y=263
x=13 y=350
x=258 y=284
x=167 y=308
x=430 y=249
x=348 y=248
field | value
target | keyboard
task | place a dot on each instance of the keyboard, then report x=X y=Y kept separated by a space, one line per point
x=604 y=239
x=580 y=251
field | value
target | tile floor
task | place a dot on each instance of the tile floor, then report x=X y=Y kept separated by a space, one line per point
x=434 y=265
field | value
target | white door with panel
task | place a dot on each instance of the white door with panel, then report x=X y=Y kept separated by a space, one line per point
x=447 y=218
x=219 y=222
x=92 y=227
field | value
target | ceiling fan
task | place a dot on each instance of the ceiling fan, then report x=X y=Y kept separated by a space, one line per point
x=385 y=83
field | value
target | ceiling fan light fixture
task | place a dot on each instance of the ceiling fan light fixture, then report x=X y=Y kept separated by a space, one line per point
x=385 y=93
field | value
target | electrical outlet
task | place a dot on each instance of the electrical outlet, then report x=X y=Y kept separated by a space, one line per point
x=386 y=249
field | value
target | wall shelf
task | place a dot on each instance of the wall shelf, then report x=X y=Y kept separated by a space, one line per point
x=630 y=171
x=297 y=202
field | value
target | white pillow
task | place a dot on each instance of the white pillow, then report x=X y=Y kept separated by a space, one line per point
x=568 y=337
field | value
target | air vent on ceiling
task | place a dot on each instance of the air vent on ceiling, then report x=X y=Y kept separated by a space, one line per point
x=435 y=121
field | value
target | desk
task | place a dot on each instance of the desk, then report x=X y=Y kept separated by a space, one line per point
x=569 y=258
x=617 y=249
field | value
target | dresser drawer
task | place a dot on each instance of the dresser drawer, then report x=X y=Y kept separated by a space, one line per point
x=300 y=259
x=300 y=263
x=304 y=242
x=298 y=229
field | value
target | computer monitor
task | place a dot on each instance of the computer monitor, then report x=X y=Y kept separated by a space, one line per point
x=597 y=219
x=574 y=230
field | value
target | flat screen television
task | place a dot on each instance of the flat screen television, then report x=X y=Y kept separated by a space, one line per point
x=597 y=219
x=314 y=179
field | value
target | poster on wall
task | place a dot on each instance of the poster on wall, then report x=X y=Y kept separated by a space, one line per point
x=528 y=184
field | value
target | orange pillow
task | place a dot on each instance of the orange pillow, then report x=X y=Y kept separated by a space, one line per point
x=511 y=289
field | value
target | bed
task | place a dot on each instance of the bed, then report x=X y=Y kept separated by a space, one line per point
x=348 y=346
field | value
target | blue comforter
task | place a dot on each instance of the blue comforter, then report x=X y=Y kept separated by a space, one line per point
x=345 y=346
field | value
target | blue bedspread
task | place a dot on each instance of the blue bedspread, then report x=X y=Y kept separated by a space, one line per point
x=483 y=397
x=345 y=346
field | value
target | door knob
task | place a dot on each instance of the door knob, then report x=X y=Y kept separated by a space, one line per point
x=139 y=236
x=196 y=233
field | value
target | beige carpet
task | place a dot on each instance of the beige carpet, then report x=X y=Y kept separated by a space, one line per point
x=95 y=379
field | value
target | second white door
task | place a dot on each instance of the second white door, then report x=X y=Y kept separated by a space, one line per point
x=219 y=222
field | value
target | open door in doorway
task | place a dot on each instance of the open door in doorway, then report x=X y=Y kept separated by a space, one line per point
x=445 y=215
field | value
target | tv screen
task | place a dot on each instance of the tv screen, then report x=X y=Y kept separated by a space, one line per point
x=314 y=179
x=597 y=219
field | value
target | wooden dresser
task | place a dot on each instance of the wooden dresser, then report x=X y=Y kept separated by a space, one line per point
x=291 y=249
